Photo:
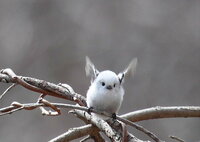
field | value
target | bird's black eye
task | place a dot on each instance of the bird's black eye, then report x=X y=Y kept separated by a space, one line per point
x=103 y=83
x=114 y=85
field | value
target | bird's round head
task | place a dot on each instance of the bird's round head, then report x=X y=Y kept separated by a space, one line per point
x=107 y=79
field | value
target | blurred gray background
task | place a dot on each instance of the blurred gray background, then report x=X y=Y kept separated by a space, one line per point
x=49 y=39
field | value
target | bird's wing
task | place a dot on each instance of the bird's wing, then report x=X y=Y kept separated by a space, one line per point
x=90 y=69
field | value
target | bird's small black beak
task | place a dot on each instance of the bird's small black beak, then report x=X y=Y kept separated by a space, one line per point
x=109 y=87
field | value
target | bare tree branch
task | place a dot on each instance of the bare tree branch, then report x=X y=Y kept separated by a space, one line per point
x=140 y=128
x=64 y=91
x=31 y=106
x=176 y=138
x=41 y=86
x=162 y=112
x=74 y=133
x=101 y=124
x=8 y=89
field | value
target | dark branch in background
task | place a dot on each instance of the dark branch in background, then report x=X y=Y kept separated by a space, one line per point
x=115 y=131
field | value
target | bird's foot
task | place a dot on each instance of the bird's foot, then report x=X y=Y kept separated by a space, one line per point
x=90 y=110
x=114 y=116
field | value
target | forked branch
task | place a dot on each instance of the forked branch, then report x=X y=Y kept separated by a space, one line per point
x=64 y=91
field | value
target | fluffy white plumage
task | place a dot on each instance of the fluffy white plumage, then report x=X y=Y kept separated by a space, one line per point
x=106 y=91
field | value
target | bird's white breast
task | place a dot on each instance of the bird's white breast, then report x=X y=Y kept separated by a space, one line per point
x=105 y=100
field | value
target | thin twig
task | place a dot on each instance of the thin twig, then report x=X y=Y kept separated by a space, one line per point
x=86 y=138
x=74 y=133
x=49 y=112
x=48 y=104
x=15 y=106
x=140 y=128
x=176 y=138
x=8 y=89
x=9 y=112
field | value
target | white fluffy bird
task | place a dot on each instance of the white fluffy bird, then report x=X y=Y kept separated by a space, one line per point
x=106 y=92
